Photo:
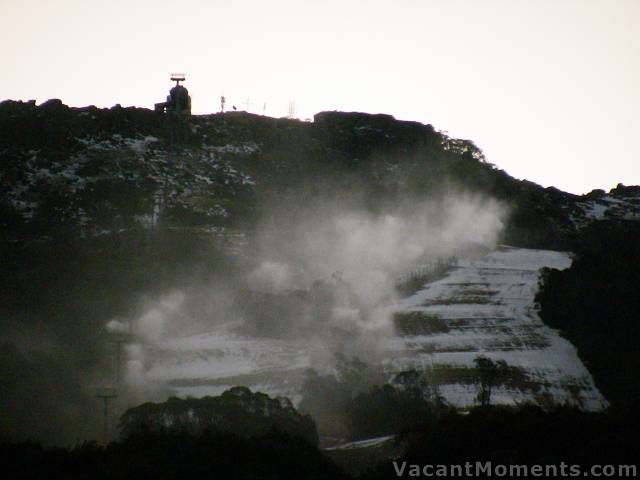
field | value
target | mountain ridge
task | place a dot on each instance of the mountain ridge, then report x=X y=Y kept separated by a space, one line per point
x=71 y=167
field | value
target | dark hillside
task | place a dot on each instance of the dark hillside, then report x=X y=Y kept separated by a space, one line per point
x=101 y=209
x=596 y=305
x=83 y=171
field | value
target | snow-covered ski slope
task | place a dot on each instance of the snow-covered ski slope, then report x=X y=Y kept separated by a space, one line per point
x=486 y=307
x=483 y=306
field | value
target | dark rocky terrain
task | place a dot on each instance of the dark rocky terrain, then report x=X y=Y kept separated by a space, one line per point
x=88 y=171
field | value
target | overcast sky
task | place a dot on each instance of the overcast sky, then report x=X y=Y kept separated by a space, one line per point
x=549 y=89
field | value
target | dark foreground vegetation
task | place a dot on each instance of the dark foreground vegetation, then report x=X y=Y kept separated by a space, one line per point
x=164 y=455
x=237 y=411
x=239 y=434
x=526 y=435
x=355 y=403
x=596 y=305
x=56 y=298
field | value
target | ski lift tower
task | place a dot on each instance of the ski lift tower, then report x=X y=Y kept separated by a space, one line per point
x=106 y=394
x=118 y=339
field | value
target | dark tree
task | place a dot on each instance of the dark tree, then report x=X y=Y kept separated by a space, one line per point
x=491 y=373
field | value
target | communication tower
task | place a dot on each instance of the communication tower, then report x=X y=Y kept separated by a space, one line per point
x=292 y=109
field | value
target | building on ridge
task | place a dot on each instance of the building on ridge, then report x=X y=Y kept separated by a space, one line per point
x=178 y=100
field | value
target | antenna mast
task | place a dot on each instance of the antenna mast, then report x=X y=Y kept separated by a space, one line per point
x=178 y=77
x=292 y=109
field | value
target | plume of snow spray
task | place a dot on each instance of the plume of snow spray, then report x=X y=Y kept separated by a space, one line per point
x=360 y=255
x=331 y=274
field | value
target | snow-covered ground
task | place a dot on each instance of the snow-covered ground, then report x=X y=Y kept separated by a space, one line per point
x=199 y=181
x=608 y=207
x=483 y=306
x=487 y=306
x=369 y=442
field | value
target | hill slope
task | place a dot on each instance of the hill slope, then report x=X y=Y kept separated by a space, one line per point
x=89 y=171
x=121 y=214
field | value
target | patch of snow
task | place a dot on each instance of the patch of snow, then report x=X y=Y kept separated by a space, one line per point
x=242 y=149
x=608 y=206
x=141 y=145
x=369 y=442
x=596 y=211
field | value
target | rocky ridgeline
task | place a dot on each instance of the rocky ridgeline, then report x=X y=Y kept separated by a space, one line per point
x=90 y=171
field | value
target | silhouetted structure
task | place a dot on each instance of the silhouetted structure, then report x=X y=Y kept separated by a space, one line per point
x=178 y=100
x=117 y=341
x=106 y=394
